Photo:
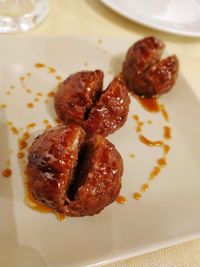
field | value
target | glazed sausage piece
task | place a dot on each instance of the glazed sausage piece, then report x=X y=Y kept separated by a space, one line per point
x=72 y=174
x=76 y=95
x=111 y=110
x=161 y=76
x=51 y=162
x=99 y=178
x=139 y=58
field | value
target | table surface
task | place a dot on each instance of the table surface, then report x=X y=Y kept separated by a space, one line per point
x=92 y=18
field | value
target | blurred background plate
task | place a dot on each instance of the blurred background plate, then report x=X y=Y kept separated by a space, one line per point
x=175 y=16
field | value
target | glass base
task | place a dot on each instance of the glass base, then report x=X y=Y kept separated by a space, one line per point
x=17 y=24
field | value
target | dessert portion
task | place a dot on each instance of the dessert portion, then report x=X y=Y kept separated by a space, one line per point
x=74 y=174
x=80 y=99
x=145 y=73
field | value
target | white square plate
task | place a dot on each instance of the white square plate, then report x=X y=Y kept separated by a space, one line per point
x=167 y=214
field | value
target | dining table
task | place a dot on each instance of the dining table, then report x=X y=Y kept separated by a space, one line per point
x=70 y=18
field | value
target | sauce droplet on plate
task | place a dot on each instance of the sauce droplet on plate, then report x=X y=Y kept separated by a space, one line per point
x=137 y=196
x=167 y=132
x=164 y=112
x=162 y=162
x=20 y=155
x=51 y=70
x=40 y=65
x=148 y=142
x=58 y=78
x=30 y=105
x=150 y=104
x=22 y=144
x=156 y=170
x=7 y=172
x=145 y=187
x=51 y=94
x=166 y=149
x=30 y=126
x=121 y=200
x=14 y=130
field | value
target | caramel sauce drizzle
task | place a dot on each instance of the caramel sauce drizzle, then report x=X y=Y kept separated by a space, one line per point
x=152 y=105
x=148 y=142
x=167 y=132
x=30 y=126
x=30 y=105
x=7 y=172
x=121 y=200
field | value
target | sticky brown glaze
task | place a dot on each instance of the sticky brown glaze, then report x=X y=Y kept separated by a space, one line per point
x=76 y=95
x=161 y=77
x=145 y=74
x=51 y=162
x=111 y=110
x=99 y=178
x=73 y=174
x=139 y=58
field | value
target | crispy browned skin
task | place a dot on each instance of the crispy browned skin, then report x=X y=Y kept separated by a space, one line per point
x=99 y=174
x=51 y=161
x=145 y=74
x=71 y=174
x=111 y=110
x=76 y=95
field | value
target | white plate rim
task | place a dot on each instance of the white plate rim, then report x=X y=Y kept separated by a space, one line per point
x=145 y=22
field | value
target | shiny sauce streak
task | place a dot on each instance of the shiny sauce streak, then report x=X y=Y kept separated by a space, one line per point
x=22 y=144
x=30 y=105
x=7 y=172
x=30 y=126
x=139 y=123
x=162 y=162
x=14 y=130
x=20 y=155
x=38 y=206
x=121 y=200
x=167 y=132
x=51 y=94
x=144 y=187
x=58 y=78
x=25 y=135
x=137 y=196
x=45 y=121
x=51 y=70
x=148 y=142
x=164 y=112
x=156 y=170
x=150 y=104
x=40 y=65
x=166 y=149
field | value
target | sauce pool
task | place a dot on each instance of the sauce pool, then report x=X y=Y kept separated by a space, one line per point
x=7 y=172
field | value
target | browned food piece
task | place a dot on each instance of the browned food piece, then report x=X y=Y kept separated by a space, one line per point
x=142 y=69
x=72 y=174
x=76 y=95
x=99 y=178
x=51 y=162
x=139 y=58
x=80 y=99
x=111 y=110
x=161 y=76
